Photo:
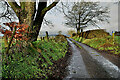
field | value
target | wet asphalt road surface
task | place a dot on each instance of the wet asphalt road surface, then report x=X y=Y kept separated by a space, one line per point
x=87 y=63
x=77 y=68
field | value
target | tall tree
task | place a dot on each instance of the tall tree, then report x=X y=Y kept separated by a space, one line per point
x=83 y=14
x=28 y=14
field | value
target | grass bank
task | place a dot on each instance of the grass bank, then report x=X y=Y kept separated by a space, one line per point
x=104 y=43
x=28 y=62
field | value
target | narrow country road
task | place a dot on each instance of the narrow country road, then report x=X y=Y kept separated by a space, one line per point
x=87 y=63
x=77 y=67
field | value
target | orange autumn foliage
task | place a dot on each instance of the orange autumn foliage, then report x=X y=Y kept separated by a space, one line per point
x=20 y=33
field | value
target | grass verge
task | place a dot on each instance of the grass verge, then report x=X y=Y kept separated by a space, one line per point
x=26 y=62
x=104 y=44
x=76 y=44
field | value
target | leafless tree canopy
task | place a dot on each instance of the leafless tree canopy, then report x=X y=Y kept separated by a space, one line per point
x=82 y=14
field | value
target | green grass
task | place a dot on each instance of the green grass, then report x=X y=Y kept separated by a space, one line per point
x=1 y=45
x=105 y=43
x=52 y=49
x=77 y=38
x=29 y=63
x=0 y=40
x=77 y=44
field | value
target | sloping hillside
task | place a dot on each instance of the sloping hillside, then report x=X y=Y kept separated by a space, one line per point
x=93 y=33
x=96 y=33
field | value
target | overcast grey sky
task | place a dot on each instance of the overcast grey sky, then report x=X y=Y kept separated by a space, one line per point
x=58 y=20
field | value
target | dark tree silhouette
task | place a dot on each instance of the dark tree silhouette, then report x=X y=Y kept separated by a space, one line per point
x=83 y=14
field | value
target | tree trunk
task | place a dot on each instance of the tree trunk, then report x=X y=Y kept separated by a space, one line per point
x=28 y=10
x=78 y=28
x=38 y=21
x=78 y=31
x=26 y=14
x=82 y=35
x=35 y=29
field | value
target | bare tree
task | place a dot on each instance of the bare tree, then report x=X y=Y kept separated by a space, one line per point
x=48 y=23
x=83 y=14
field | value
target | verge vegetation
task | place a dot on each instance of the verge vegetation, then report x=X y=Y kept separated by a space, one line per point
x=36 y=61
x=106 y=43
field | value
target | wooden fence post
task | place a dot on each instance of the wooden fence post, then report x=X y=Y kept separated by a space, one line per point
x=47 y=36
x=41 y=38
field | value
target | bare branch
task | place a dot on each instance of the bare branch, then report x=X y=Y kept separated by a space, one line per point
x=14 y=6
x=85 y=13
x=48 y=23
x=50 y=7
